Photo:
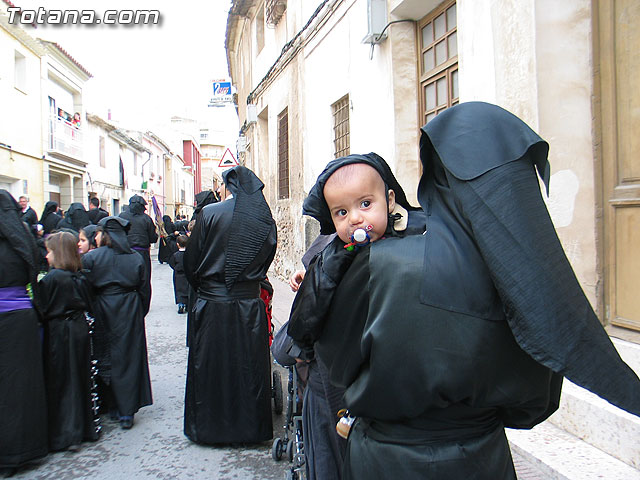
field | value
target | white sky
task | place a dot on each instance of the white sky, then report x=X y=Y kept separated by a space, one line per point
x=147 y=73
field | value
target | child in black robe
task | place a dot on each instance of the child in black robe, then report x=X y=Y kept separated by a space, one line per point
x=180 y=284
x=67 y=348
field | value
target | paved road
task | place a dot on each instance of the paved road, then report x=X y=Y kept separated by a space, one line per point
x=156 y=447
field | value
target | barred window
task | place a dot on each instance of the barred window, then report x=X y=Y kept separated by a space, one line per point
x=341 y=127
x=438 y=47
x=283 y=154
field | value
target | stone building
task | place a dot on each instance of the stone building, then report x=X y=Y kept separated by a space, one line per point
x=316 y=80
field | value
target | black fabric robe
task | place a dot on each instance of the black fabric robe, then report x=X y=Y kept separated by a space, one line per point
x=118 y=281
x=30 y=217
x=23 y=409
x=67 y=359
x=228 y=391
x=141 y=235
x=167 y=246
x=180 y=283
x=442 y=344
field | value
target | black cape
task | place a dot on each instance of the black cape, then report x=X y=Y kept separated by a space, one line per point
x=228 y=391
x=67 y=359
x=117 y=276
x=23 y=416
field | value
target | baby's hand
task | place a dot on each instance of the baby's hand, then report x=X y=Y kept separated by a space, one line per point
x=296 y=279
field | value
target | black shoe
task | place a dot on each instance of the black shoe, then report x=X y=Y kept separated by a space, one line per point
x=126 y=422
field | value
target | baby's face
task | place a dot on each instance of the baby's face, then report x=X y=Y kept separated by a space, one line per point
x=356 y=198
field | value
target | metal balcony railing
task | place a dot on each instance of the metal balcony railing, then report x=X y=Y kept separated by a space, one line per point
x=64 y=137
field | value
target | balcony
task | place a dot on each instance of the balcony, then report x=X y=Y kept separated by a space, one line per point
x=64 y=138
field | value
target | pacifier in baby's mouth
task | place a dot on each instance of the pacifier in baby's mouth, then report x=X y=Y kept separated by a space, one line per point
x=359 y=238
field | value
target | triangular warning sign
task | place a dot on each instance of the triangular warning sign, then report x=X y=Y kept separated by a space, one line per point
x=228 y=161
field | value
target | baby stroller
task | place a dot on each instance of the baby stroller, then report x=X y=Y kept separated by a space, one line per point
x=292 y=443
x=266 y=294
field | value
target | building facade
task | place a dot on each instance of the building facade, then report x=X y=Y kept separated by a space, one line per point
x=317 y=80
x=21 y=139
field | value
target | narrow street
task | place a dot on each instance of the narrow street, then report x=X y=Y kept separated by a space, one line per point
x=155 y=447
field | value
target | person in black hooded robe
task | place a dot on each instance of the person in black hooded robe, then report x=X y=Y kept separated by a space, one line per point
x=117 y=275
x=75 y=219
x=142 y=233
x=50 y=217
x=228 y=390
x=470 y=328
x=23 y=408
x=324 y=451
x=167 y=246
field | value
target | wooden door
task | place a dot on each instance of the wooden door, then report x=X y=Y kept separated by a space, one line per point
x=617 y=117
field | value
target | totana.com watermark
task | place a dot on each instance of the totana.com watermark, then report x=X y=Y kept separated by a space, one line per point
x=42 y=16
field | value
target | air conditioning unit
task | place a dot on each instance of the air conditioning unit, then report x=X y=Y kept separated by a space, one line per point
x=376 y=21
x=252 y=114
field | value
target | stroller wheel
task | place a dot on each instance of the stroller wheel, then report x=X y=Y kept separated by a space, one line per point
x=276 y=391
x=277 y=449
x=290 y=445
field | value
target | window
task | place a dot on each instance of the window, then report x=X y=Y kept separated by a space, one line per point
x=341 y=141
x=102 y=156
x=20 y=72
x=260 y=29
x=438 y=47
x=283 y=154
x=135 y=163
x=274 y=9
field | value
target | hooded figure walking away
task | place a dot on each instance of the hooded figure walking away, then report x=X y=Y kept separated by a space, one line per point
x=75 y=219
x=142 y=233
x=23 y=408
x=442 y=340
x=228 y=391
x=117 y=275
x=167 y=246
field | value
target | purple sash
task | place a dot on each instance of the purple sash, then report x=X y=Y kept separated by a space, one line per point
x=14 y=298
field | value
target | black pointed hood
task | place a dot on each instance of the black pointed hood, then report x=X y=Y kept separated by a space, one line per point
x=117 y=228
x=137 y=205
x=251 y=224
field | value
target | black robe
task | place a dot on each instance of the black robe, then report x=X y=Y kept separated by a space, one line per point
x=180 y=283
x=141 y=235
x=228 y=391
x=118 y=281
x=23 y=408
x=453 y=335
x=67 y=359
x=167 y=246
